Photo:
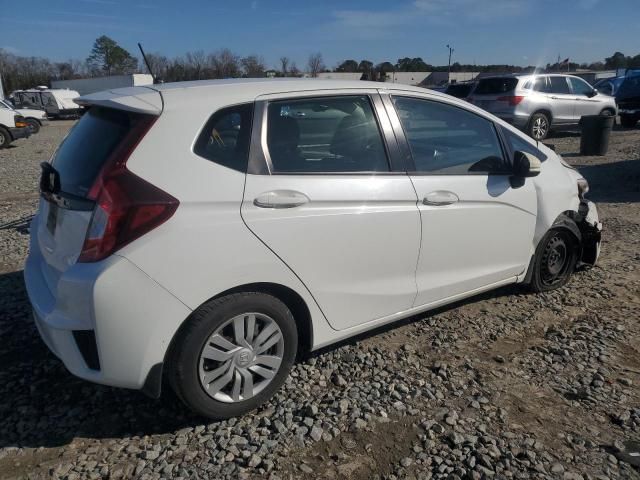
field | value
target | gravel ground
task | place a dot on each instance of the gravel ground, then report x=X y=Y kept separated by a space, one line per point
x=504 y=385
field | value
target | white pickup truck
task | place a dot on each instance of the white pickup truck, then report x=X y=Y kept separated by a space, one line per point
x=12 y=126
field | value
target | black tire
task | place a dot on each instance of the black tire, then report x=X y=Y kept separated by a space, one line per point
x=628 y=121
x=555 y=260
x=183 y=363
x=539 y=126
x=33 y=125
x=5 y=137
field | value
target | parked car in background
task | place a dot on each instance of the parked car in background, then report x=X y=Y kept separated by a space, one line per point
x=57 y=103
x=538 y=104
x=460 y=90
x=608 y=86
x=207 y=233
x=34 y=118
x=12 y=126
x=628 y=99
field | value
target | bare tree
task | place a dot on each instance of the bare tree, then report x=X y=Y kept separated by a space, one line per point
x=253 y=66
x=195 y=63
x=225 y=63
x=284 y=64
x=315 y=64
x=294 y=71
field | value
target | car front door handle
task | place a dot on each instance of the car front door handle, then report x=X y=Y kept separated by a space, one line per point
x=439 y=198
x=280 y=199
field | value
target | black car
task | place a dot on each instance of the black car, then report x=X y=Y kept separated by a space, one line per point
x=459 y=90
x=628 y=100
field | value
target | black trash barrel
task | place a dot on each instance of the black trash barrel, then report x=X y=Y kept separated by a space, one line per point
x=596 y=130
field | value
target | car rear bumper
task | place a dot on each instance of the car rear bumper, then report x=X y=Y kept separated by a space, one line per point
x=17 y=133
x=108 y=322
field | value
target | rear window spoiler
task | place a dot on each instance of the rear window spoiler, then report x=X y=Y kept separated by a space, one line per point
x=135 y=99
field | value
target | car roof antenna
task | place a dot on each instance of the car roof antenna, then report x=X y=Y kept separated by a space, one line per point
x=156 y=80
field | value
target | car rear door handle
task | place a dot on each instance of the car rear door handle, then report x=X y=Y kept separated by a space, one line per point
x=439 y=198
x=280 y=199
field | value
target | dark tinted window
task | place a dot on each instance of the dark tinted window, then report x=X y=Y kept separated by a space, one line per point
x=580 y=87
x=519 y=144
x=459 y=90
x=495 y=86
x=449 y=140
x=630 y=87
x=88 y=145
x=226 y=137
x=323 y=135
x=558 y=85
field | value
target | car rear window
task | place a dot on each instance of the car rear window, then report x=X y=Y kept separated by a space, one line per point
x=495 y=86
x=459 y=91
x=82 y=154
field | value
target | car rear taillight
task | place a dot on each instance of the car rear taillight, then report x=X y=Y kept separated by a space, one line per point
x=512 y=100
x=127 y=206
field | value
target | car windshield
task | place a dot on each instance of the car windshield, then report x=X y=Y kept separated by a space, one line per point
x=494 y=86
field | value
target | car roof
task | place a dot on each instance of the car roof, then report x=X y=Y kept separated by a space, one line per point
x=205 y=93
x=263 y=86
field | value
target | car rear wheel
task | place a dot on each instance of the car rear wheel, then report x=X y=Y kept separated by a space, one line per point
x=5 y=138
x=233 y=354
x=555 y=260
x=628 y=121
x=539 y=126
x=33 y=125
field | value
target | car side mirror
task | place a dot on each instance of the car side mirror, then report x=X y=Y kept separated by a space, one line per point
x=525 y=165
x=592 y=93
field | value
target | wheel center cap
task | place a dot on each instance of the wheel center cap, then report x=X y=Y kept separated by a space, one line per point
x=244 y=357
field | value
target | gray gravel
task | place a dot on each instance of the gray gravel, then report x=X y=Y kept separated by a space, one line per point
x=504 y=385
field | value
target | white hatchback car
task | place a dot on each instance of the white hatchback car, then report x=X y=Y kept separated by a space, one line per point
x=210 y=232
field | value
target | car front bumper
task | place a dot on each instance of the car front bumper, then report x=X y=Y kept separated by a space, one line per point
x=110 y=309
x=17 y=133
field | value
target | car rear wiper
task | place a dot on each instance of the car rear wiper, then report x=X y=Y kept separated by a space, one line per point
x=50 y=189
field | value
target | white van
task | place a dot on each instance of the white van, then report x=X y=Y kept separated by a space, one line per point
x=58 y=103
x=12 y=126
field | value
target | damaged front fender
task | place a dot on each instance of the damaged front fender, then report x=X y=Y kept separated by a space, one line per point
x=591 y=231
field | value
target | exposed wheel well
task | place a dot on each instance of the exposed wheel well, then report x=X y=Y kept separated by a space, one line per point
x=289 y=297
x=565 y=221
x=36 y=119
x=608 y=109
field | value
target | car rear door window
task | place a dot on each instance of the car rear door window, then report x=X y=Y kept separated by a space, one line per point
x=325 y=135
x=559 y=85
x=448 y=140
x=226 y=137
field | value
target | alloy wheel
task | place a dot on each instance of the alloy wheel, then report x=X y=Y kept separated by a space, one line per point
x=241 y=357
x=540 y=127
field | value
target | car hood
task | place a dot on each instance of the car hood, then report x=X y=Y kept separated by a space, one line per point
x=31 y=112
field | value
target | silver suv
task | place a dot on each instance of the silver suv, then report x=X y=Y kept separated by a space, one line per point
x=540 y=103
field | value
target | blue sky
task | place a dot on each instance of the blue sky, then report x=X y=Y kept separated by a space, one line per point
x=520 y=32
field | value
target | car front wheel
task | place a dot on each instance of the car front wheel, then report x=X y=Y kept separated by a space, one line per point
x=555 y=260
x=5 y=138
x=33 y=125
x=233 y=354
